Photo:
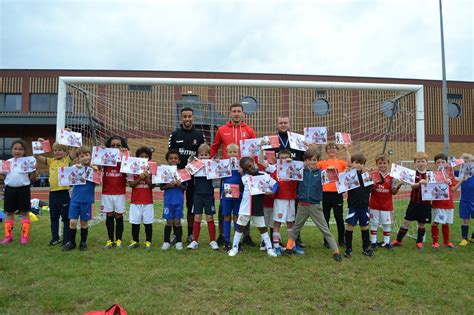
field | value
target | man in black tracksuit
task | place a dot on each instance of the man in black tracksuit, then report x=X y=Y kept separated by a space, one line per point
x=283 y=128
x=187 y=139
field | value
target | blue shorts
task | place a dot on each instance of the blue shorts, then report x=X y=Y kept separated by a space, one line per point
x=466 y=209
x=80 y=209
x=358 y=215
x=201 y=203
x=230 y=206
x=173 y=211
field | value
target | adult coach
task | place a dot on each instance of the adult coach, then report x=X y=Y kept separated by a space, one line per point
x=187 y=139
x=283 y=126
x=331 y=198
x=232 y=132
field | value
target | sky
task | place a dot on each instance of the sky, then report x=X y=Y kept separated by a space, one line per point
x=368 y=38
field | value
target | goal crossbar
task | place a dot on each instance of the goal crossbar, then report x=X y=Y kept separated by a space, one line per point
x=416 y=88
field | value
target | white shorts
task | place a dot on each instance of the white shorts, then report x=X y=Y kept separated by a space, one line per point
x=380 y=217
x=268 y=215
x=244 y=219
x=283 y=210
x=442 y=216
x=141 y=214
x=112 y=203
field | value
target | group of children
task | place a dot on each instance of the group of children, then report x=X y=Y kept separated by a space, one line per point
x=369 y=207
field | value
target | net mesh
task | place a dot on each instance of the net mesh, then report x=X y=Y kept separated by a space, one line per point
x=378 y=121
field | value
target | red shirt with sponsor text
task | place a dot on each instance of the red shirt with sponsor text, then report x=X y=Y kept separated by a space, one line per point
x=113 y=182
x=142 y=194
x=381 y=195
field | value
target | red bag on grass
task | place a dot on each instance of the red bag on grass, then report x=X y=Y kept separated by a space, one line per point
x=115 y=309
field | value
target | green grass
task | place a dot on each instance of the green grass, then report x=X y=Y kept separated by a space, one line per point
x=40 y=279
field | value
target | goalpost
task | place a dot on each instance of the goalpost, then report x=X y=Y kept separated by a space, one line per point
x=381 y=117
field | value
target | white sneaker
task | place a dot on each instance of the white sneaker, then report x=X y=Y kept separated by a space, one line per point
x=271 y=252
x=234 y=251
x=165 y=246
x=214 y=245
x=193 y=245
x=179 y=246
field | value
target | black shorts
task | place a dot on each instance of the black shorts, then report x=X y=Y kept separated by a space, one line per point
x=204 y=202
x=17 y=198
x=418 y=212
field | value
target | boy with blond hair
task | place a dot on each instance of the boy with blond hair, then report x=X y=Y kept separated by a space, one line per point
x=82 y=200
x=59 y=198
x=418 y=209
x=230 y=205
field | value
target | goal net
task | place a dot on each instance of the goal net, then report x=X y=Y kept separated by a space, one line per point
x=381 y=118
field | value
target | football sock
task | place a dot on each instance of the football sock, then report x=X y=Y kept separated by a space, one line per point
x=211 y=228
x=464 y=231
x=84 y=233
x=421 y=234
x=178 y=231
x=136 y=232
x=72 y=235
x=266 y=239
x=445 y=230
x=435 y=233
x=290 y=244
x=373 y=235
x=148 y=232
x=119 y=228
x=25 y=227
x=365 y=239
x=236 y=241
x=167 y=233
x=386 y=233
x=227 y=231
x=196 y=231
x=109 y=223
x=8 y=226
x=401 y=233
x=349 y=239
x=276 y=239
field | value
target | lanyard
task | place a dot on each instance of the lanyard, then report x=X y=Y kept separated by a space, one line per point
x=285 y=144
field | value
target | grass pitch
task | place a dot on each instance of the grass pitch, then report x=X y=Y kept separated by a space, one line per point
x=39 y=279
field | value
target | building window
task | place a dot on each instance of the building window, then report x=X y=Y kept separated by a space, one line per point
x=10 y=102
x=250 y=104
x=43 y=102
x=5 y=148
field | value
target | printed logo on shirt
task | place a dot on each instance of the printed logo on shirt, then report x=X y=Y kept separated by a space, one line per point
x=195 y=142
x=227 y=134
x=179 y=141
x=244 y=134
